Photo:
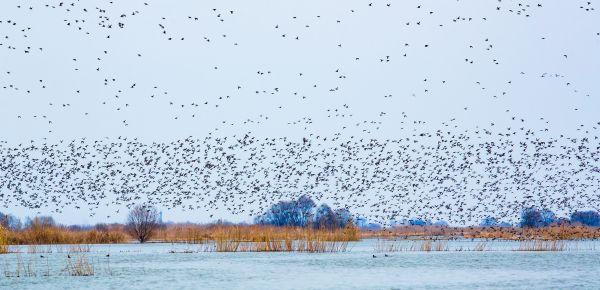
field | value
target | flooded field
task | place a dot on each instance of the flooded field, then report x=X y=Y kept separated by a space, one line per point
x=396 y=265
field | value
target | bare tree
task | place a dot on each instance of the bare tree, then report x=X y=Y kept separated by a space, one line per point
x=142 y=222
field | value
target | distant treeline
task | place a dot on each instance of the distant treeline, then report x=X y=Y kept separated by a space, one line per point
x=304 y=212
x=537 y=218
x=301 y=212
x=531 y=217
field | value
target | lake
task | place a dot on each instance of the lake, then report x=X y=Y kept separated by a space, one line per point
x=181 y=266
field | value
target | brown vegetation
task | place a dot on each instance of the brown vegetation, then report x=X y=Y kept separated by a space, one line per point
x=537 y=246
x=230 y=238
x=3 y=241
x=60 y=235
x=80 y=265
x=250 y=233
x=563 y=232
x=220 y=238
x=255 y=238
x=411 y=246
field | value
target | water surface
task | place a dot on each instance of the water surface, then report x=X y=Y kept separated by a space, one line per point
x=154 y=266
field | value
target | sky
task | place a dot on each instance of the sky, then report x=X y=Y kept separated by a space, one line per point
x=162 y=70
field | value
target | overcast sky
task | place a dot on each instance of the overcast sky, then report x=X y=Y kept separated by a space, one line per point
x=172 y=69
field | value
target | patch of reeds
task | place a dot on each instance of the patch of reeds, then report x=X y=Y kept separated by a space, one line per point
x=23 y=268
x=272 y=239
x=387 y=246
x=480 y=246
x=260 y=238
x=79 y=265
x=197 y=234
x=60 y=235
x=307 y=245
x=79 y=249
x=190 y=234
x=555 y=232
x=4 y=249
x=76 y=264
x=542 y=246
x=412 y=246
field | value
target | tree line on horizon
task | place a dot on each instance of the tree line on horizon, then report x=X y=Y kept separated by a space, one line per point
x=304 y=212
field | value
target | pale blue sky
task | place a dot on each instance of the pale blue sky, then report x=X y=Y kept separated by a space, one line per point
x=529 y=51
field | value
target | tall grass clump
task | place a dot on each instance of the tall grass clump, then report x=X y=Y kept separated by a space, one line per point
x=542 y=246
x=3 y=241
x=80 y=265
x=426 y=245
x=276 y=239
x=59 y=235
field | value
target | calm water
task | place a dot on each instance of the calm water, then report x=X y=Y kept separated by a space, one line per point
x=152 y=266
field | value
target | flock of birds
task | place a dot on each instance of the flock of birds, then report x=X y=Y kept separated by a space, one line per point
x=373 y=157
x=447 y=174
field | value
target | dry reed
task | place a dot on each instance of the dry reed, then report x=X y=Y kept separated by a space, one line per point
x=562 y=232
x=79 y=265
x=60 y=235
x=540 y=245
x=4 y=249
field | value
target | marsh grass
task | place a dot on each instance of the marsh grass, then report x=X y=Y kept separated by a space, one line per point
x=80 y=249
x=23 y=268
x=4 y=249
x=542 y=246
x=80 y=265
x=76 y=264
x=59 y=235
x=268 y=238
x=303 y=245
x=428 y=245
x=303 y=241
x=556 y=232
x=255 y=238
x=198 y=234
x=480 y=246
x=425 y=245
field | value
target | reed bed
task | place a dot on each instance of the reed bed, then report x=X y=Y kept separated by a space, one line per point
x=542 y=246
x=196 y=234
x=4 y=248
x=260 y=238
x=59 y=235
x=305 y=245
x=276 y=239
x=411 y=246
x=389 y=246
x=562 y=232
x=190 y=234
x=219 y=238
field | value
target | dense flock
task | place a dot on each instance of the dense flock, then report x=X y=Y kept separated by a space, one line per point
x=391 y=109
